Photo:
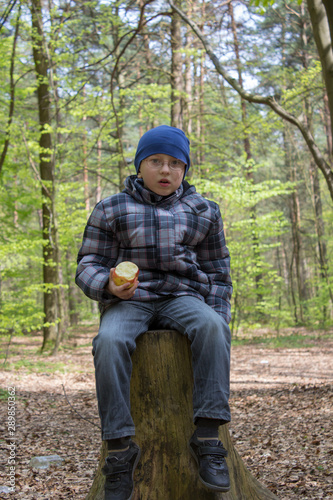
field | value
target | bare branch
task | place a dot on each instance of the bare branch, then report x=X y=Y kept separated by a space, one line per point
x=87 y=419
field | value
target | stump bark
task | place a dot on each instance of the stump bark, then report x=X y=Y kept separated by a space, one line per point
x=161 y=402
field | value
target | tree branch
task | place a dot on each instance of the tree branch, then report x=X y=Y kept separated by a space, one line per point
x=83 y=418
x=8 y=10
x=267 y=101
x=12 y=91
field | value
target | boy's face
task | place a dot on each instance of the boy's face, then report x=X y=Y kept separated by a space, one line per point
x=162 y=174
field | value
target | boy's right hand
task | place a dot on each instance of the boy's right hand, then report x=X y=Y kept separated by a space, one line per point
x=124 y=292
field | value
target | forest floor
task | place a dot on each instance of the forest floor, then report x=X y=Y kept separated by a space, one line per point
x=281 y=401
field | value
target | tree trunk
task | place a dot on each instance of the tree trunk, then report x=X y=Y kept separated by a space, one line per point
x=321 y=20
x=118 y=105
x=187 y=119
x=176 y=72
x=161 y=399
x=246 y=139
x=247 y=150
x=85 y=163
x=296 y=266
x=297 y=245
x=46 y=165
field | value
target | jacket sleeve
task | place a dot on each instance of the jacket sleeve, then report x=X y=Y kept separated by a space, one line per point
x=97 y=255
x=214 y=260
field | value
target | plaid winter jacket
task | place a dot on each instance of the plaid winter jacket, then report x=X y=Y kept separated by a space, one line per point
x=176 y=241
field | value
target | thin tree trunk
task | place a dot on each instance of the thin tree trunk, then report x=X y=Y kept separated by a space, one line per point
x=12 y=92
x=202 y=105
x=176 y=71
x=320 y=232
x=297 y=244
x=247 y=150
x=289 y=279
x=293 y=212
x=117 y=81
x=74 y=297
x=188 y=78
x=99 y=164
x=85 y=165
x=199 y=72
x=196 y=68
x=326 y=118
x=246 y=139
x=278 y=315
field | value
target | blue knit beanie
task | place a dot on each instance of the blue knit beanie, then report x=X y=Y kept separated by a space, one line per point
x=164 y=140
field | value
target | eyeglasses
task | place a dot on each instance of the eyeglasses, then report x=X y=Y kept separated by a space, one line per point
x=174 y=165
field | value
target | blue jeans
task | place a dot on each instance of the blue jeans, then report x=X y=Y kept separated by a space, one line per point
x=120 y=326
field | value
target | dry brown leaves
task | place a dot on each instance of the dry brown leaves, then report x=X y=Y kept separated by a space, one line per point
x=281 y=401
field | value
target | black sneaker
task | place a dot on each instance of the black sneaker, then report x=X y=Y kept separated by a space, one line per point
x=119 y=472
x=210 y=457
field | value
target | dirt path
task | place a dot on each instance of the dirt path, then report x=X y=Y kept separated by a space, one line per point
x=281 y=402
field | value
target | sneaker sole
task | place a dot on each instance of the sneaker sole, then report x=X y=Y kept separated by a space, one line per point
x=208 y=485
x=133 y=471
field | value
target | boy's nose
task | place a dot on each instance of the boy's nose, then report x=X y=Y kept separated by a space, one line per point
x=165 y=165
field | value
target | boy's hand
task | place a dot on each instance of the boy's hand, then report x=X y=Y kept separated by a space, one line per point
x=123 y=292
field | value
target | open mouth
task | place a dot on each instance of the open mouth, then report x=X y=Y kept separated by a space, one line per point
x=164 y=182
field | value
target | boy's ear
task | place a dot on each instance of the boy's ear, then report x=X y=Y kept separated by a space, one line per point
x=139 y=174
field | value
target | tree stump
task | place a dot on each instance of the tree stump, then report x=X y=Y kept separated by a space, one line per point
x=161 y=401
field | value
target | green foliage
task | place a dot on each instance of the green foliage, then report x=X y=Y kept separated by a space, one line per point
x=252 y=235
x=106 y=89
x=265 y=3
x=20 y=257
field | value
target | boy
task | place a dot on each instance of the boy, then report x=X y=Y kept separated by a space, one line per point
x=176 y=238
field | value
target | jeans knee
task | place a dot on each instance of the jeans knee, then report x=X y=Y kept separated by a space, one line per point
x=110 y=345
x=215 y=335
